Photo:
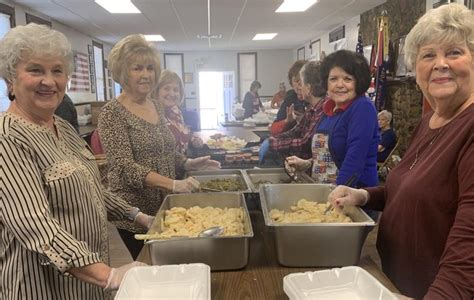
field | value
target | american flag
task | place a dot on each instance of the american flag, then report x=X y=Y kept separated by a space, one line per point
x=381 y=63
x=80 y=77
x=360 y=44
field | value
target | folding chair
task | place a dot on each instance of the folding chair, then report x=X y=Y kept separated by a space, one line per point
x=385 y=167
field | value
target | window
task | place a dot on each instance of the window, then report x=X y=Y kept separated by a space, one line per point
x=7 y=21
x=99 y=71
x=247 y=68
x=175 y=62
x=300 y=55
x=34 y=19
x=337 y=34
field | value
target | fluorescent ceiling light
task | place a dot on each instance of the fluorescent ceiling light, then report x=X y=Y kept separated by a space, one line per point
x=154 y=38
x=118 y=6
x=264 y=36
x=295 y=5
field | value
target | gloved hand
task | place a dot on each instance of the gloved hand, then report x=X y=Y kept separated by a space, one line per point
x=116 y=275
x=298 y=163
x=264 y=148
x=187 y=185
x=345 y=196
x=143 y=220
x=201 y=163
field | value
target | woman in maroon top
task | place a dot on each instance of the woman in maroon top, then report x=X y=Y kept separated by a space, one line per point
x=426 y=234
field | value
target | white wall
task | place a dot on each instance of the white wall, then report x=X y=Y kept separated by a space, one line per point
x=351 y=33
x=78 y=40
x=272 y=67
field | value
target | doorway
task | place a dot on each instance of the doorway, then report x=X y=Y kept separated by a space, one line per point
x=216 y=93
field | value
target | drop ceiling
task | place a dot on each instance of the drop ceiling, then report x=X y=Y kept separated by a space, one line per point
x=180 y=21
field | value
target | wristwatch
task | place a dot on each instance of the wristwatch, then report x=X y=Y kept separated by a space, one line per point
x=132 y=213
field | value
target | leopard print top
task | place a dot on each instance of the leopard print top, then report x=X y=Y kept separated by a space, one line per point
x=135 y=147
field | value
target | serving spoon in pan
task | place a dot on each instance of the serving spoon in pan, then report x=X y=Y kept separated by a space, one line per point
x=212 y=231
x=348 y=183
x=291 y=171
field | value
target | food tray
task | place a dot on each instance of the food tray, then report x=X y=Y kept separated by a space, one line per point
x=191 y=281
x=274 y=176
x=205 y=176
x=208 y=250
x=335 y=284
x=313 y=244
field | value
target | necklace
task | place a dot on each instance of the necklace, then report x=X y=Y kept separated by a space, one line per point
x=418 y=153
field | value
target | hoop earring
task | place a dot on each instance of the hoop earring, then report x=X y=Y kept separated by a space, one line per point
x=11 y=96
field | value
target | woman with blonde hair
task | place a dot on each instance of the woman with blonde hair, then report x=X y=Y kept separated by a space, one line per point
x=170 y=94
x=426 y=233
x=140 y=149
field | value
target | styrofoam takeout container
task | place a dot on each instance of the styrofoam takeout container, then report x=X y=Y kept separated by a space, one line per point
x=335 y=284
x=186 y=281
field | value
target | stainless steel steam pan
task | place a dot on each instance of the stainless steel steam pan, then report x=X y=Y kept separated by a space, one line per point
x=272 y=176
x=314 y=244
x=236 y=174
x=220 y=253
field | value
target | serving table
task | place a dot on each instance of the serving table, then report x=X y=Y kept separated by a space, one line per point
x=263 y=276
x=245 y=133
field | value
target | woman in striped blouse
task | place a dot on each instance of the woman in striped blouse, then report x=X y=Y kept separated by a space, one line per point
x=53 y=220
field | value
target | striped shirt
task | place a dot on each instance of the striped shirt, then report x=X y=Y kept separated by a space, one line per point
x=54 y=211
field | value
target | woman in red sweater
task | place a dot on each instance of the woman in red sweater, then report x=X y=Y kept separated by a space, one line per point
x=426 y=234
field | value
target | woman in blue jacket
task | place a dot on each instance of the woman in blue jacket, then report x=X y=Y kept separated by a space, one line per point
x=345 y=143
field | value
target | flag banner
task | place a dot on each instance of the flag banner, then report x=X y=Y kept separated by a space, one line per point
x=381 y=63
x=360 y=44
x=80 y=76
x=380 y=87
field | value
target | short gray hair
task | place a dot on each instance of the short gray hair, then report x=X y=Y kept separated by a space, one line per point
x=32 y=40
x=451 y=23
x=386 y=114
x=128 y=49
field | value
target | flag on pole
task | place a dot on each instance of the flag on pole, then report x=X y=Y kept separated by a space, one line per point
x=360 y=44
x=381 y=63
x=80 y=76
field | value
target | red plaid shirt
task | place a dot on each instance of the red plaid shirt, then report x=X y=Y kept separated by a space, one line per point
x=297 y=141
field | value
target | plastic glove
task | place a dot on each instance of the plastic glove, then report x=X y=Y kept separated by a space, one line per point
x=144 y=220
x=264 y=148
x=298 y=163
x=187 y=185
x=116 y=275
x=201 y=163
x=345 y=196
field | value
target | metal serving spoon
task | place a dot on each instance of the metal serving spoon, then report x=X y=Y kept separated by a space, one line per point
x=290 y=171
x=212 y=231
x=348 y=183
